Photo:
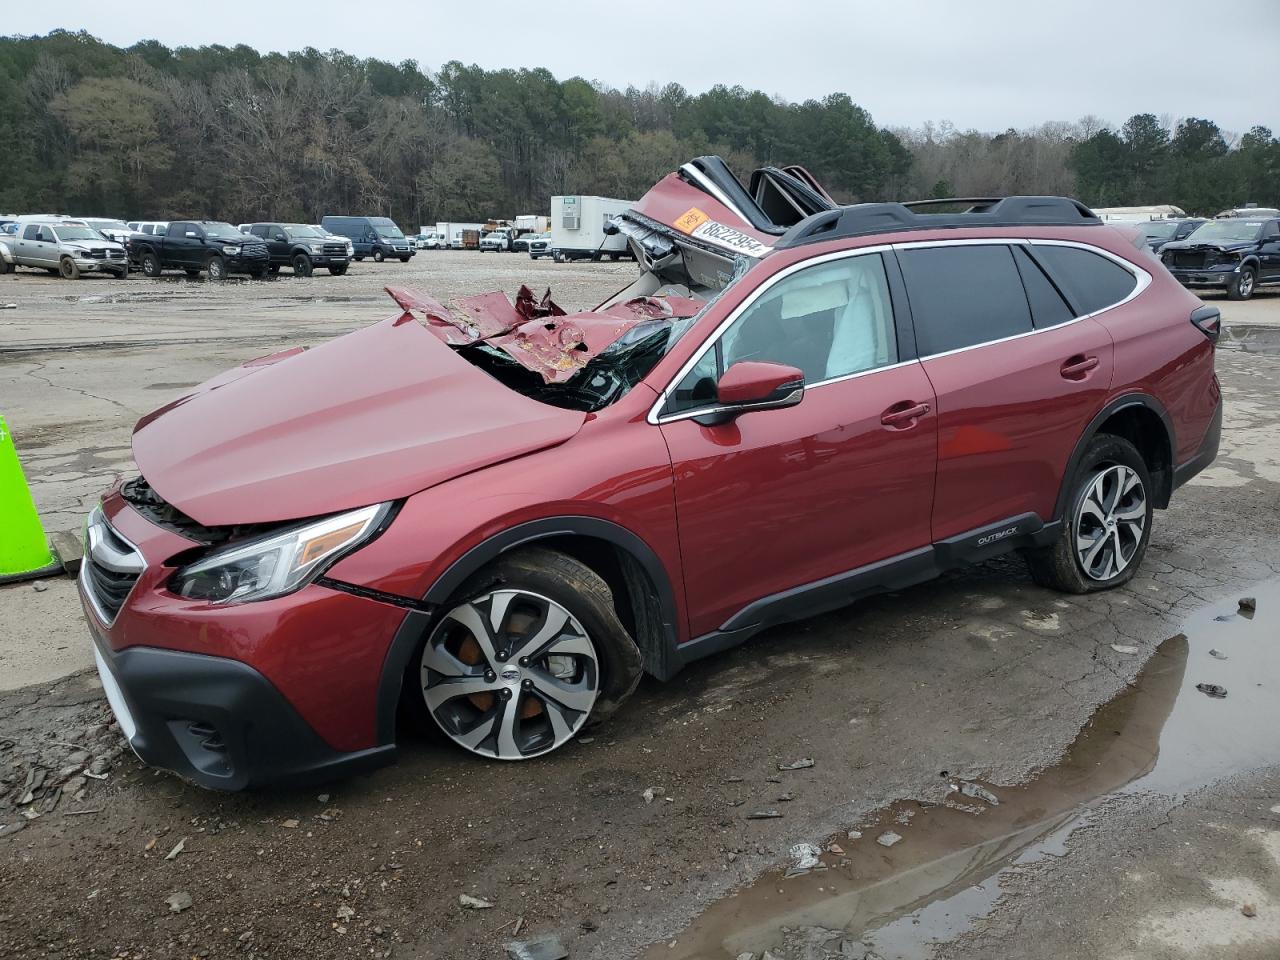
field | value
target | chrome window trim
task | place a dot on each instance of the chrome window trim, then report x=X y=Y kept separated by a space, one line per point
x=654 y=417
x=1142 y=277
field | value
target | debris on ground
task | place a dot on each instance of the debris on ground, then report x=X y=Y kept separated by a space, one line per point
x=474 y=903
x=1127 y=649
x=888 y=838
x=540 y=948
x=179 y=901
x=1217 y=654
x=854 y=834
x=836 y=849
x=289 y=824
x=764 y=815
x=1248 y=604
x=1249 y=910
x=979 y=792
x=345 y=913
x=786 y=797
x=1217 y=691
x=804 y=857
x=802 y=764
x=177 y=849
x=648 y=795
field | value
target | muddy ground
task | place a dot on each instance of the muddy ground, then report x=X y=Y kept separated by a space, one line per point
x=979 y=678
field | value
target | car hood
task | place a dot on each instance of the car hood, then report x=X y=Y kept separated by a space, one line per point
x=375 y=415
x=1207 y=245
x=91 y=244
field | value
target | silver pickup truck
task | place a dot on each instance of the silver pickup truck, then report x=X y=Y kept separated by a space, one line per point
x=68 y=248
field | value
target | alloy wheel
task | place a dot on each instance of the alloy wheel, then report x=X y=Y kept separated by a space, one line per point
x=1245 y=284
x=510 y=675
x=1110 y=521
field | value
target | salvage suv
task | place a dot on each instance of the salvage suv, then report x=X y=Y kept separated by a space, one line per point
x=492 y=517
x=1236 y=254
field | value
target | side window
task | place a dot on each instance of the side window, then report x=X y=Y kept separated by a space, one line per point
x=1090 y=280
x=829 y=320
x=962 y=295
x=32 y=232
x=1271 y=230
x=1048 y=309
x=178 y=229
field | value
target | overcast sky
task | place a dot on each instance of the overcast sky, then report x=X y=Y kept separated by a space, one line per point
x=988 y=64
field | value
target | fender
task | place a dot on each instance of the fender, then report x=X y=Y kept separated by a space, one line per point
x=417 y=622
x=1112 y=407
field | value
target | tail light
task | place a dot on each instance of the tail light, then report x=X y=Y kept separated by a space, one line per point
x=1208 y=320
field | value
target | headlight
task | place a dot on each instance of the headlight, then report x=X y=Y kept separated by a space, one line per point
x=277 y=564
x=231 y=251
x=316 y=247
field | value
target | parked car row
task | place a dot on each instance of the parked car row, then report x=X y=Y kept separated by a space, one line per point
x=70 y=247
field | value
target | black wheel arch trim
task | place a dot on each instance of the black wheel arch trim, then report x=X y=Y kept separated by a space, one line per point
x=1123 y=402
x=418 y=621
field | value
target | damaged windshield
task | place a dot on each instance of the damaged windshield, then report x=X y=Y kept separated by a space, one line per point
x=580 y=361
x=1226 y=231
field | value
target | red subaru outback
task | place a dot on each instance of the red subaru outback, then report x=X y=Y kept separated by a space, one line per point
x=495 y=516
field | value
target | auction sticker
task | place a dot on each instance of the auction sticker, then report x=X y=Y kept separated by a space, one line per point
x=697 y=224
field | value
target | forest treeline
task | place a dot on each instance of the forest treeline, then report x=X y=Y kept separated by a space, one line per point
x=231 y=133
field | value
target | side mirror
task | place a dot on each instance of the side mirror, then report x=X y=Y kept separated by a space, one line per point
x=755 y=385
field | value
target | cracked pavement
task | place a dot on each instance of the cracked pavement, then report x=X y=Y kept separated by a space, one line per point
x=981 y=674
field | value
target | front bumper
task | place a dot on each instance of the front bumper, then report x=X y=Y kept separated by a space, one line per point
x=217 y=721
x=1219 y=275
x=105 y=265
x=293 y=688
x=239 y=263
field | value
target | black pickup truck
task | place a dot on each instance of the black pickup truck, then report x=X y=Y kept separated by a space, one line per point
x=200 y=245
x=1238 y=254
x=301 y=247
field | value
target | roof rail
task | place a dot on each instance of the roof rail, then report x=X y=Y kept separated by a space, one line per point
x=866 y=219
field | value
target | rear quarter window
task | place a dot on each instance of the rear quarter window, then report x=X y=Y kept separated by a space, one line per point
x=963 y=295
x=1091 y=281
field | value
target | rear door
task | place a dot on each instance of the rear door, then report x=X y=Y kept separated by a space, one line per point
x=1017 y=372
x=775 y=500
x=1269 y=252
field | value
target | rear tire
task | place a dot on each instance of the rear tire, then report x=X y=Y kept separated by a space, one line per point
x=1107 y=525
x=582 y=667
x=68 y=270
x=150 y=265
x=1242 y=287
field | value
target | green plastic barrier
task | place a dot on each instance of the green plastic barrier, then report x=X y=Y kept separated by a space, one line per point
x=24 y=549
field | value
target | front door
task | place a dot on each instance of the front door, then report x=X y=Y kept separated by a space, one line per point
x=779 y=499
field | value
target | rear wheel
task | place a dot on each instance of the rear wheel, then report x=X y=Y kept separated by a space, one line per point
x=301 y=265
x=68 y=270
x=1241 y=288
x=217 y=268
x=525 y=654
x=1108 y=524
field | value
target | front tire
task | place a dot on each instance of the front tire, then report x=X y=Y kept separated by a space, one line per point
x=1242 y=287
x=68 y=270
x=217 y=268
x=301 y=265
x=338 y=270
x=523 y=656
x=378 y=256
x=1108 y=523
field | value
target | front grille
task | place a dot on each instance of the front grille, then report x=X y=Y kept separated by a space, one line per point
x=335 y=249
x=115 y=254
x=254 y=249
x=1190 y=259
x=108 y=587
x=140 y=495
x=98 y=253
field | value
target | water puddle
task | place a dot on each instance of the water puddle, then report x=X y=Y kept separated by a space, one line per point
x=1161 y=735
x=1250 y=338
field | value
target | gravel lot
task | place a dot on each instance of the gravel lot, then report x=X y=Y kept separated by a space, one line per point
x=981 y=674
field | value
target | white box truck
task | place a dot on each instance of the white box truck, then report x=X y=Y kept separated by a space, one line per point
x=577 y=228
x=531 y=223
x=451 y=233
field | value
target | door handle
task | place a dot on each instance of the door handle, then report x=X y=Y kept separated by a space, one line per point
x=903 y=414
x=1078 y=367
